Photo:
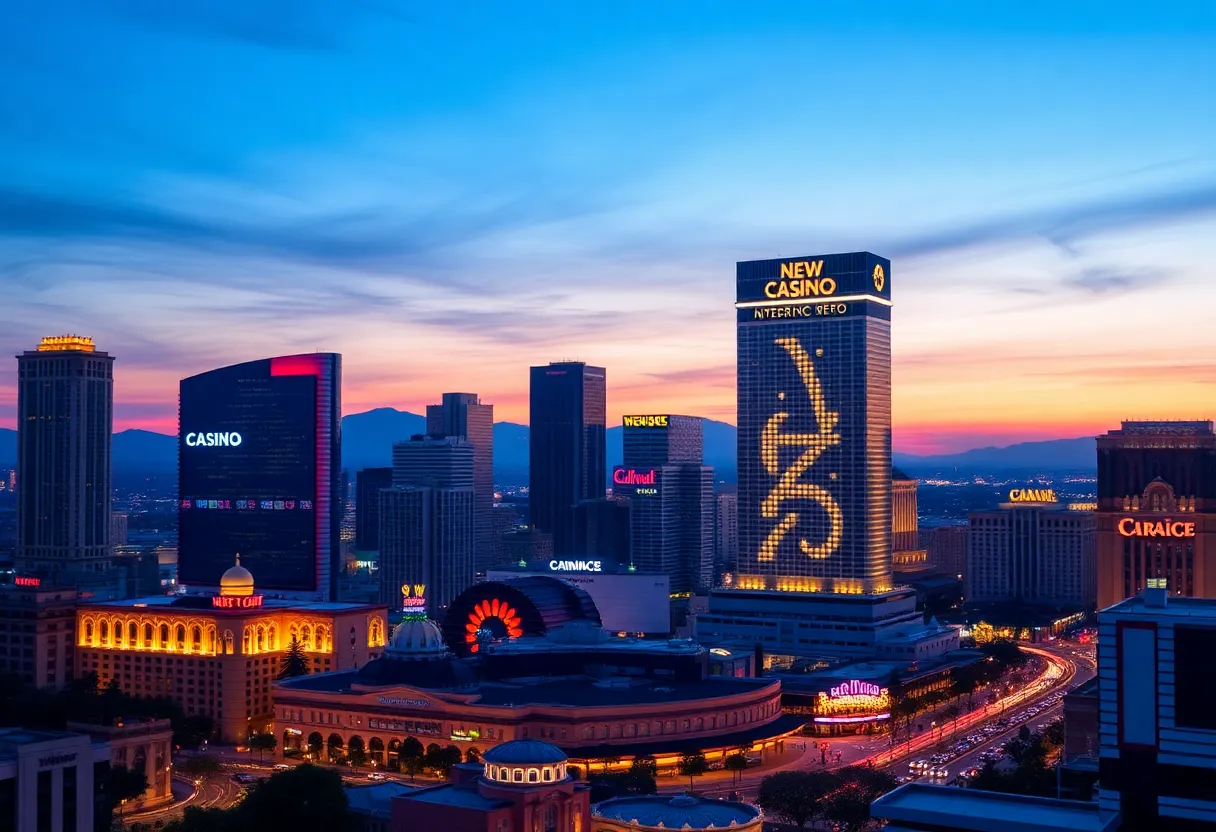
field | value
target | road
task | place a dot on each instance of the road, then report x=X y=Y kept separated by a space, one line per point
x=1067 y=666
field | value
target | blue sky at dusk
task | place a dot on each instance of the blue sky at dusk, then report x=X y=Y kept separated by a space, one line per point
x=448 y=193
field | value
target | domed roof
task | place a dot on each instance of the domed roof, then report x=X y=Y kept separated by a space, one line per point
x=237 y=580
x=523 y=753
x=416 y=636
x=681 y=812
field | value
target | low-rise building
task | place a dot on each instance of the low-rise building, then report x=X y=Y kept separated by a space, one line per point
x=141 y=745
x=48 y=780
x=36 y=627
x=218 y=655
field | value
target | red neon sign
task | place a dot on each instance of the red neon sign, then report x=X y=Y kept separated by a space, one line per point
x=631 y=476
x=27 y=581
x=485 y=611
x=236 y=602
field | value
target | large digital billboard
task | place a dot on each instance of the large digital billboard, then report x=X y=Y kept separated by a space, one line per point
x=814 y=421
x=258 y=448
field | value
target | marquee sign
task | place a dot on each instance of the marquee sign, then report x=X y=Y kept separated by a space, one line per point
x=1131 y=527
x=855 y=688
x=575 y=566
x=645 y=421
x=853 y=701
x=23 y=581
x=237 y=602
x=1032 y=495
x=413 y=596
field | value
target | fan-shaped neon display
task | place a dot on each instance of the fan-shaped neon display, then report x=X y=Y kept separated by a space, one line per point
x=487 y=611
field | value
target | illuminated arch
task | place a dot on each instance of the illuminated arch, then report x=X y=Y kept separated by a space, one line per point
x=272 y=637
x=487 y=613
x=526 y=606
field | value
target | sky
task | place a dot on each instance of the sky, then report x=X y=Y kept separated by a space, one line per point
x=448 y=193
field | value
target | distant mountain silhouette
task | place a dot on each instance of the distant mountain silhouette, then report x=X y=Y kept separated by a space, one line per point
x=367 y=441
x=1051 y=455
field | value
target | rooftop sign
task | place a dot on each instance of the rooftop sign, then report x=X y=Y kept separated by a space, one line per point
x=645 y=421
x=1032 y=495
x=236 y=602
x=1131 y=527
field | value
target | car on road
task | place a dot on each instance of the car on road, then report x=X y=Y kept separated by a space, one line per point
x=281 y=767
x=245 y=779
x=375 y=775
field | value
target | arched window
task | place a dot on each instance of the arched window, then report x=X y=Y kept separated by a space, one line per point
x=147 y=635
x=132 y=634
x=261 y=638
x=104 y=630
x=272 y=638
x=548 y=774
x=88 y=631
x=306 y=637
x=518 y=775
x=179 y=637
x=228 y=639
x=196 y=639
x=550 y=818
x=532 y=777
x=164 y=636
x=245 y=641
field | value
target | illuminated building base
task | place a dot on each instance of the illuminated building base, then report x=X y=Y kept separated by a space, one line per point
x=821 y=586
x=812 y=625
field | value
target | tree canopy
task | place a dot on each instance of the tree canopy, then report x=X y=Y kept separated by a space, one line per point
x=304 y=798
x=840 y=797
x=295 y=663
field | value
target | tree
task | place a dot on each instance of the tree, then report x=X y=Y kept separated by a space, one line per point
x=295 y=663
x=574 y=771
x=411 y=747
x=451 y=757
x=304 y=797
x=621 y=784
x=608 y=762
x=441 y=760
x=736 y=764
x=794 y=796
x=848 y=807
x=473 y=755
x=195 y=819
x=315 y=745
x=692 y=764
x=357 y=755
x=123 y=784
x=262 y=743
x=645 y=765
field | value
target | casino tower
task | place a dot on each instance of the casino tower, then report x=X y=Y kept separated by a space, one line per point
x=814 y=428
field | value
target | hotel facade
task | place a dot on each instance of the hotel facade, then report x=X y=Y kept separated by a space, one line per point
x=1156 y=513
x=217 y=656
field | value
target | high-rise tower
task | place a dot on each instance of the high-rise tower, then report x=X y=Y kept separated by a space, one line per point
x=463 y=415
x=259 y=474
x=567 y=462
x=65 y=418
x=814 y=338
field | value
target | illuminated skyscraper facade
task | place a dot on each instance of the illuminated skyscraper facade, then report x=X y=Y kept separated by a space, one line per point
x=1156 y=514
x=814 y=342
x=259 y=474
x=65 y=417
x=567 y=454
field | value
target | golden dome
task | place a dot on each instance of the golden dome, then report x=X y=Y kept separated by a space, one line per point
x=236 y=581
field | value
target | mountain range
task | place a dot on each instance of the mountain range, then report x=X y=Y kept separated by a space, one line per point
x=367 y=440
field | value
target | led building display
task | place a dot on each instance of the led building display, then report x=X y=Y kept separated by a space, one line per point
x=264 y=480
x=814 y=341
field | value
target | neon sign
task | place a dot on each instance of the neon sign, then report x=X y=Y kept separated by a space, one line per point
x=789 y=486
x=575 y=566
x=800 y=279
x=487 y=611
x=236 y=602
x=413 y=597
x=213 y=440
x=645 y=421
x=19 y=581
x=1131 y=527
x=631 y=476
x=855 y=688
x=1032 y=495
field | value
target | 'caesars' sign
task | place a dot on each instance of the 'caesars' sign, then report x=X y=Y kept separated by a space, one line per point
x=1131 y=527
x=213 y=440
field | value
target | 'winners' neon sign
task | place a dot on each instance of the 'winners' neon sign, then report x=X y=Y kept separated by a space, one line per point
x=789 y=486
x=413 y=596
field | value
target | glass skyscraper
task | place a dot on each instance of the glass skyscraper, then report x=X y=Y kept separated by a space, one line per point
x=567 y=455
x=65 y=415
x=259 y=474
x=814 y=341
x=463 y=415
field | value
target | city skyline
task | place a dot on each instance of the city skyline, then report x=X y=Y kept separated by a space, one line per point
x=307 y=183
